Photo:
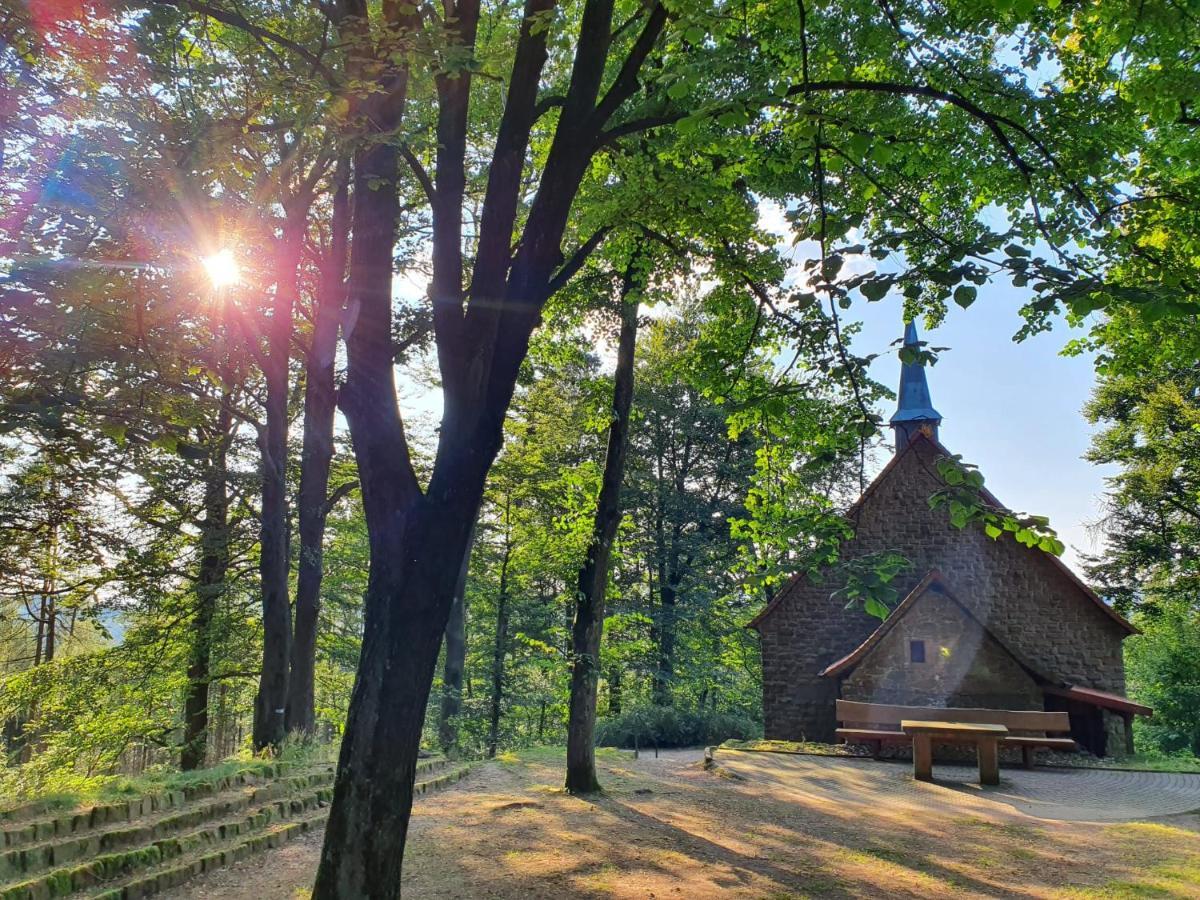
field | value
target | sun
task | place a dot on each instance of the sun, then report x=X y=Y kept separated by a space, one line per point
x=222 y=268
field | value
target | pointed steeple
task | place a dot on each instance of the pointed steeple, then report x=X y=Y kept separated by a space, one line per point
x=914 y=412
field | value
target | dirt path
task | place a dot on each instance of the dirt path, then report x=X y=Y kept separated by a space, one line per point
x=666 y=828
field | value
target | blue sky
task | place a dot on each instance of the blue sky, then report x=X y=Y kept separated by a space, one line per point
x=1013 y=409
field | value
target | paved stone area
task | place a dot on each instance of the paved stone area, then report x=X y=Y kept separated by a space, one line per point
x=1070 y=795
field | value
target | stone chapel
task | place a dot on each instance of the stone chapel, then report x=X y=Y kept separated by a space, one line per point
x=984 y=622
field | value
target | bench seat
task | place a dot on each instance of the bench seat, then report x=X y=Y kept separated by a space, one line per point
x=868 y=735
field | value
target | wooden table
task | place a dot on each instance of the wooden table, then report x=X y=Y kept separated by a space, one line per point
x=986 y=739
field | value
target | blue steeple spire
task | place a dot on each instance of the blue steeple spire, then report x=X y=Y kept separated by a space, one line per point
x=914 y=412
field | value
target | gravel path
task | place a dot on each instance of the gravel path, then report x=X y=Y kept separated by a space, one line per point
x=1069 y=795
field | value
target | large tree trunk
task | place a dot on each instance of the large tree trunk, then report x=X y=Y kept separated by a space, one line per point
x=418 y=539
x=210 y=582
x=499 y=650
x=320 y=402
x=588 y=627
x=270 y=705
x=455 y=662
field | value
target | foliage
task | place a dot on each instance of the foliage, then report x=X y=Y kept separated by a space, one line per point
x=868 y=581
x=1164 y=673
x=1148 y=406
x=968 y=502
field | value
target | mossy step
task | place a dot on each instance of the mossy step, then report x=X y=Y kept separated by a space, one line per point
x=63 y=881
x=22 y=863
x=179 y=872
x=440 y=781
x=74 y=821
x=150 y=883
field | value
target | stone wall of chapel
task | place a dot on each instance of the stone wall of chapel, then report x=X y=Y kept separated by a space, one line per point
x=1022 y=596
x=963 y=665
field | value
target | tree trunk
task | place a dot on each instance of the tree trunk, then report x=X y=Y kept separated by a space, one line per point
x=614 y=691
x=664 y=673
x=456 y=658
x=210 y=582
x=51 y=621
x=320 y=402
x=498 y=652
x=418 y=539
x=416 y=543
x=588 y=627
x=270 y=705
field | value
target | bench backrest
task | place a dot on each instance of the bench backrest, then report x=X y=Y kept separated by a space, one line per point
x=851 y=712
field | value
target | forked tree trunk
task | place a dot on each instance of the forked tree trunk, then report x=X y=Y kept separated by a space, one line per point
x=418 y=538
x=210 y=582
x=316 y=455
x=455 y=662
x=588 y=627
x=270 y=705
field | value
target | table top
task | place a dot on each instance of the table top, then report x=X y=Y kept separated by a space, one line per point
x=909 y=726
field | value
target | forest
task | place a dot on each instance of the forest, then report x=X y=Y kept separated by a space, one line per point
x=421 y=376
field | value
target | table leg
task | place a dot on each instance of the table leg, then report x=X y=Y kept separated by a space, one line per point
x=922 y=757
x=989 y=761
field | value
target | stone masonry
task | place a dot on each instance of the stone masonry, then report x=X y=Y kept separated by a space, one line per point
x=963 y=665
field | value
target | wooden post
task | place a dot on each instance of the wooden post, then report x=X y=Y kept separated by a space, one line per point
x=1028 y=756
x=989 y=760
x=922 y=757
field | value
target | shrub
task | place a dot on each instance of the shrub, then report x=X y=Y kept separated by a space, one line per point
x=667 y=726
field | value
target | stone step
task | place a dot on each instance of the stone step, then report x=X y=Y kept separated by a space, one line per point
x=151 y=844
x=31 y=824
x=34 y=823
x=24 y=862
x=178 y=871
x=64 y=880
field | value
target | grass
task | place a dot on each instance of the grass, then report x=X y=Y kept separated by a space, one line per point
x=554 y=754
x=1168 y=879
x=1148 y=762
x=813 y=748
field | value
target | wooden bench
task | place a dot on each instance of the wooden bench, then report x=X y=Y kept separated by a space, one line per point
x=876 y=724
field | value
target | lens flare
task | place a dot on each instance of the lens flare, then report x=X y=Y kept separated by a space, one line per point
x=222 y=268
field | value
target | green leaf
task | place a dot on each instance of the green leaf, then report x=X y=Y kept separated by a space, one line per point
x=873 y=607
x=965 y=294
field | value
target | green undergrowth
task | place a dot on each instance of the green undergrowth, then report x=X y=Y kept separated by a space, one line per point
x=669 y=726
x=1159 y=762
x=71 y=790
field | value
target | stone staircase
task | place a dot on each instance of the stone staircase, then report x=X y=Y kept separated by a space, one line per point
x=136 y=848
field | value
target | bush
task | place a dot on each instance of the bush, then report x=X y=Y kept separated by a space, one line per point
x=666 y=726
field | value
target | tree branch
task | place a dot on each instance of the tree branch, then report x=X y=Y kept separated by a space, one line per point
x=337 y=494
x=577 y=259
x=237 y=20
